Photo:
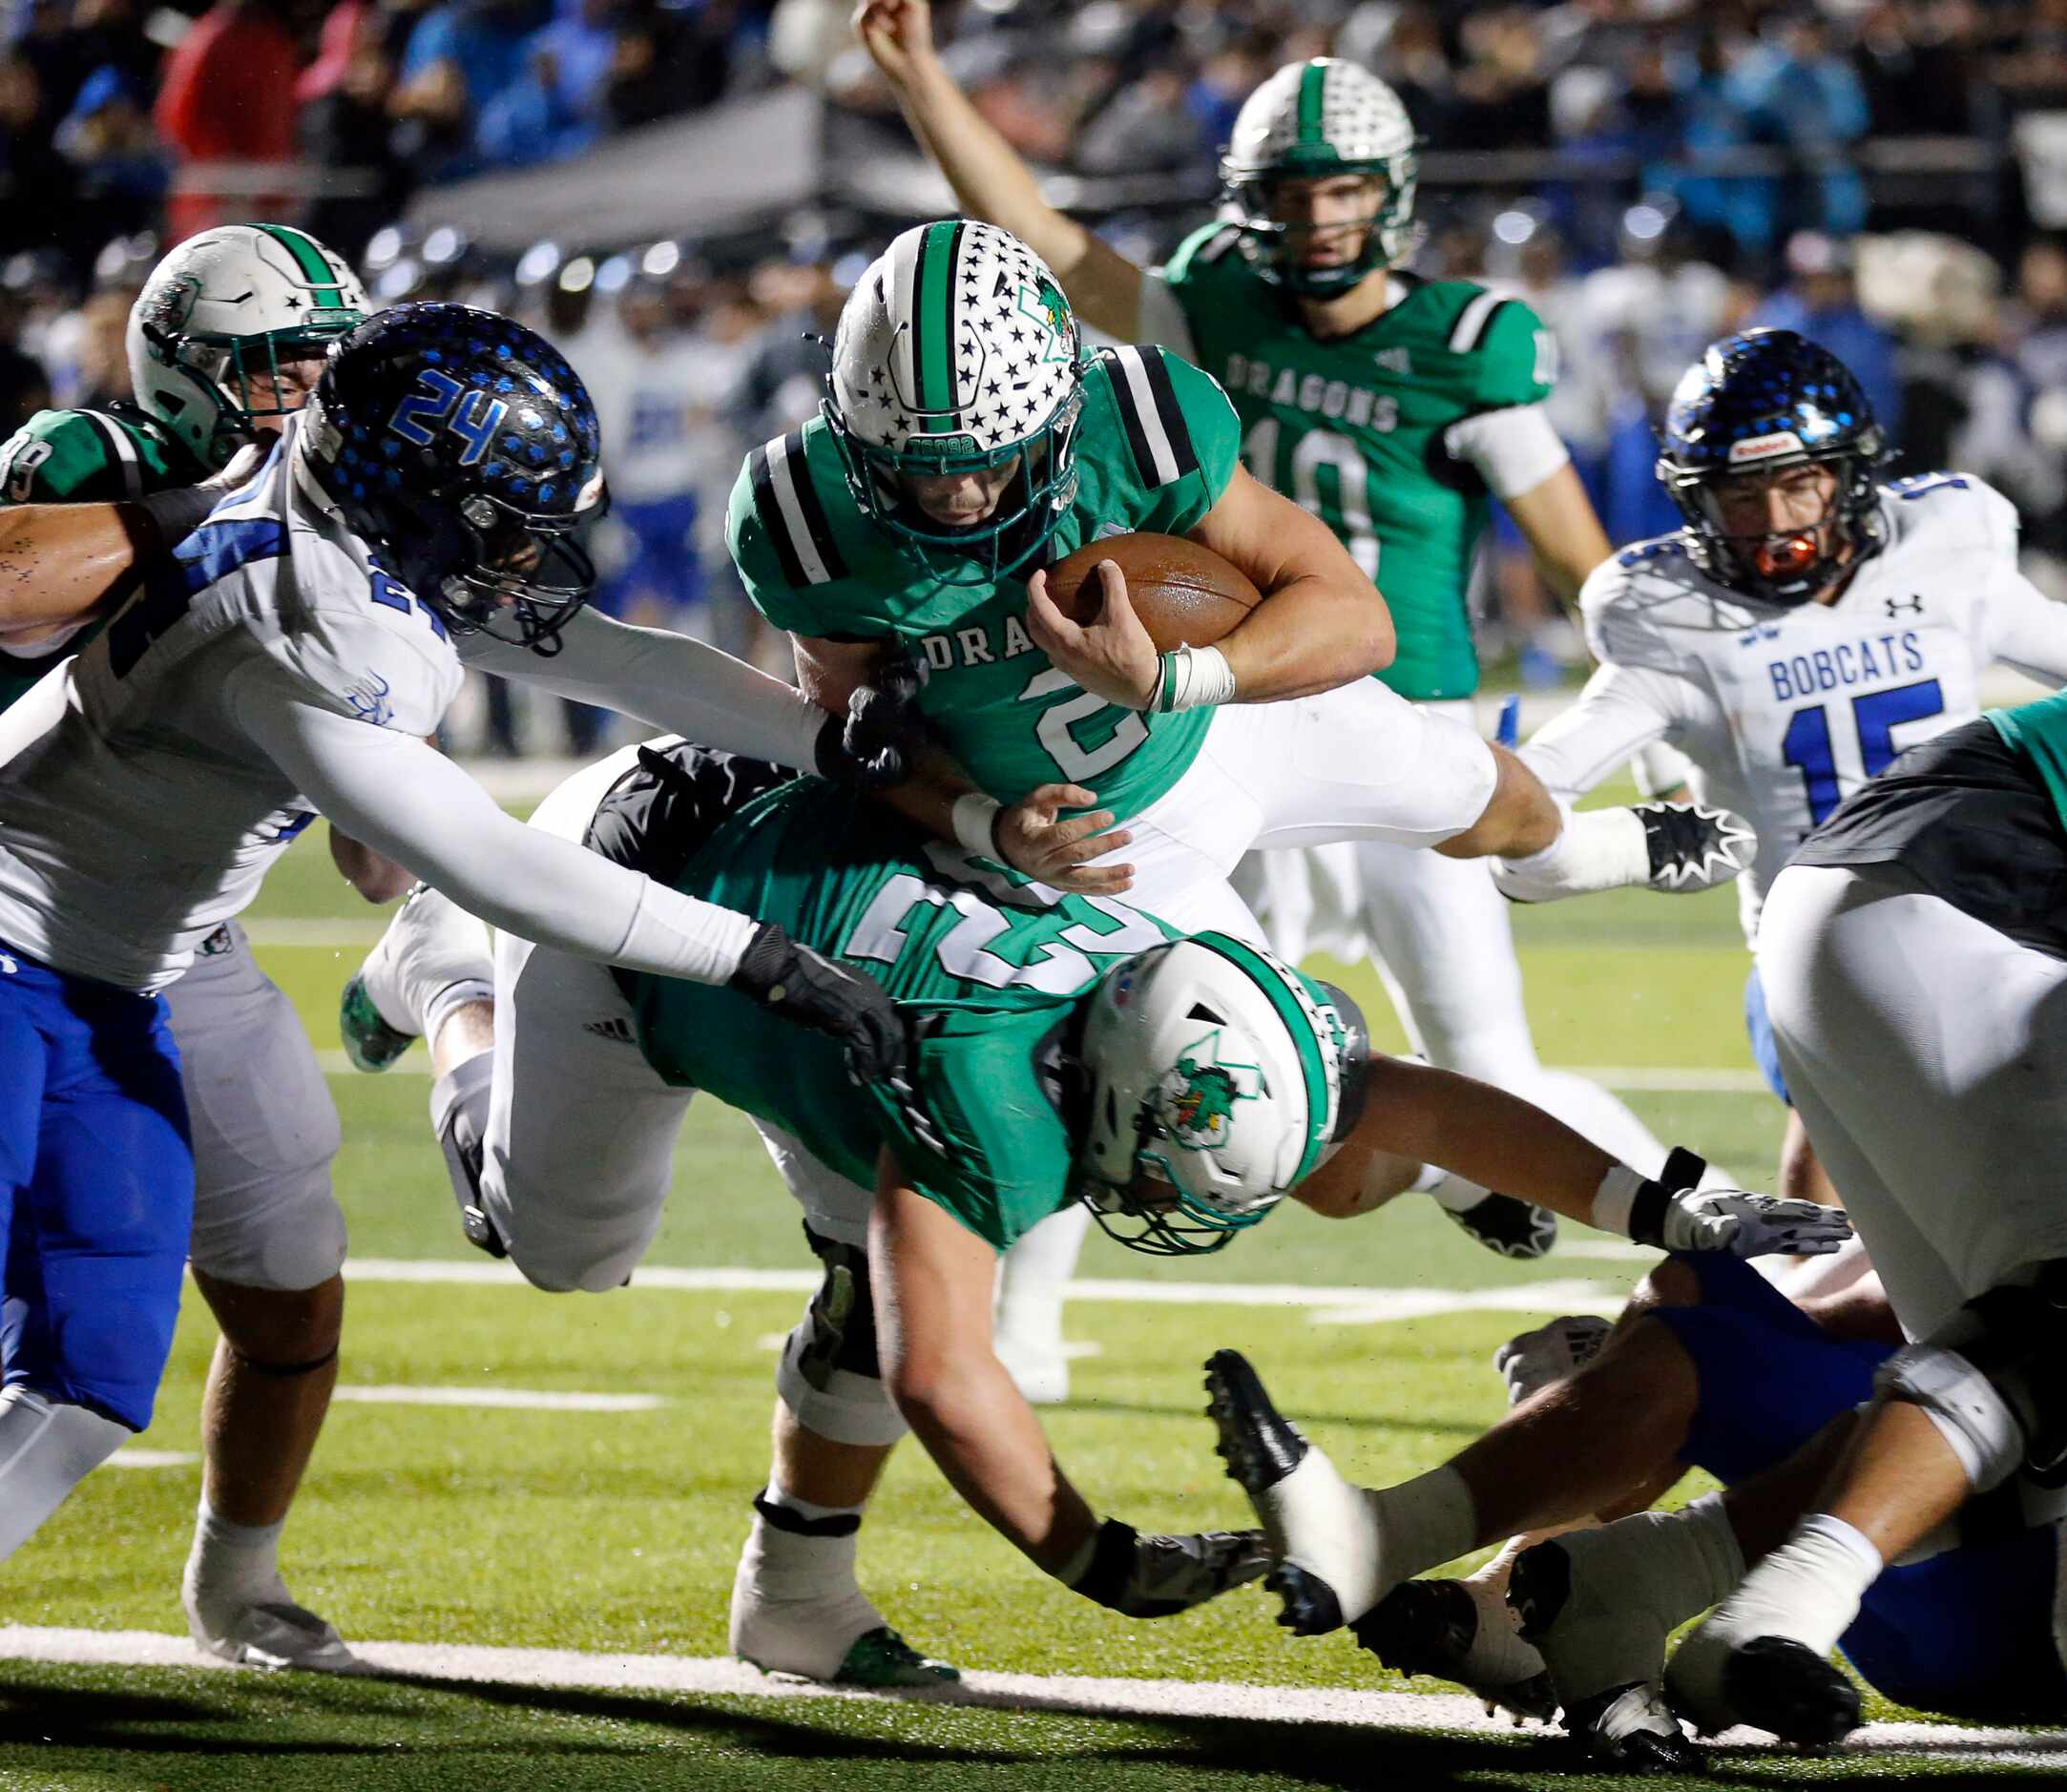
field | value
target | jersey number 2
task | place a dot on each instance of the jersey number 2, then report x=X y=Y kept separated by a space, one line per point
x=1876 y=715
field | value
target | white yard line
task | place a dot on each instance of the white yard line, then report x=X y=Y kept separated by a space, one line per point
x=1647 y=1079
x=711 y=1675
x=1332 y=1307
x=133 y=1458
x=523 y=1399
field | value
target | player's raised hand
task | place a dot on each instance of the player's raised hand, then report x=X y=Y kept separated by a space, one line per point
x=1111 y=655
x=896 y=34
x=1032 y=836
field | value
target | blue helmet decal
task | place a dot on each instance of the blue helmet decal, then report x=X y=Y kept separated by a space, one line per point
x=466 y=448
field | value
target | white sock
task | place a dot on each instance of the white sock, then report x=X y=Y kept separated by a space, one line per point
x=448 y=1001
x=1425 y=1522
x=1033 y=1280
x=1633 y=1584
x=1807 y=1590
x=231 y=1555
x=1601 y=849
x=1452 y=1193
x=797 y=1607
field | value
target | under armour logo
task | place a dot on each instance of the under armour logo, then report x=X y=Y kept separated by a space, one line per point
x=1915 y=606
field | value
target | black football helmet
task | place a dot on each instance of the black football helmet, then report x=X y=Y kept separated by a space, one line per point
x=1772 y=399
x=464 y=448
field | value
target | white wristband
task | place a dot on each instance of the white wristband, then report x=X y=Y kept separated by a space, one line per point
x=1192 y=678
x=1614 y=1199
x=975 y=818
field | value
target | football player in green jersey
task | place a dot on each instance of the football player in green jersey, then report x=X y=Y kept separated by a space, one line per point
x=1392 y=408
x=1064 y=1050
x=965 y=443
x=224 y=342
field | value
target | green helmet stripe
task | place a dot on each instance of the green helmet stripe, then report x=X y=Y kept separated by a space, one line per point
x=1312 y=78
x=309 y=259
x=1271 y=981
x=932 y=326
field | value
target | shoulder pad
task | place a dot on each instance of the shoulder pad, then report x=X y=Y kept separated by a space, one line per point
x=1145 y=395
x=1665 y=548
x=791 y=513
x=1205 y=246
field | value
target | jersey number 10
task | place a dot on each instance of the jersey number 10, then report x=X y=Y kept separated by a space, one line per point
x=1807 y=745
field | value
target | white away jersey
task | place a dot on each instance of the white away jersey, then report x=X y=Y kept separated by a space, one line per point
x=135 y=815
x=1786 y=710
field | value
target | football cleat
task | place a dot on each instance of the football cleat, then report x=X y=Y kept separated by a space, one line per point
x=1322 y=1528
x=881 y=1659
x=1693 y=846
x=1459 y=1631
x=1631 y=1727
x=1579 y=1600
x=1772 y=1683
x=1514 y=1228
x=369 y=1041
x=268 y=1633
x=1532 y=1361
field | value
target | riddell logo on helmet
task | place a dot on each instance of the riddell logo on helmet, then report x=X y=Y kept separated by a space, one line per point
x=1764 y=448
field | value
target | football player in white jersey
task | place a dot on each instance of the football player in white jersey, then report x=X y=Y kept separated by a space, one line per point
x=1806 y=626
x=288 y=659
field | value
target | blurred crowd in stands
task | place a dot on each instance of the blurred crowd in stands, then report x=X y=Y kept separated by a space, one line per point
x=1888 y=176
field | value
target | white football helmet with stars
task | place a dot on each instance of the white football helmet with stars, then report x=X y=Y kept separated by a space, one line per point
x=957 y=352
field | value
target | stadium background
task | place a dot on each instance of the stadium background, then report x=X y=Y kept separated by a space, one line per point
x=677 y=194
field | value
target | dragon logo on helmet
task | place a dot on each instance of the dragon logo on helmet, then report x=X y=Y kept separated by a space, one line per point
x=1199 y=1093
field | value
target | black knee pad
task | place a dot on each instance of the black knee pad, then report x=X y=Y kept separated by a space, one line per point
x=459 y=1102
x=841 y=1317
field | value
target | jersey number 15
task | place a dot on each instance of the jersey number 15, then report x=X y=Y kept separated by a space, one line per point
x=1807 y=745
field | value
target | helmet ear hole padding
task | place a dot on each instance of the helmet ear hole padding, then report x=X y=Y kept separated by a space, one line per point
x=1215 y=1071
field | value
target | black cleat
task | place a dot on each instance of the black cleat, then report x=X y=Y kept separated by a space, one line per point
x=1629 y=1727
x=1429 y=1626
x=1514 y=1228
x=1693 y=846
x=1261 y=1449
x=1786 y=1687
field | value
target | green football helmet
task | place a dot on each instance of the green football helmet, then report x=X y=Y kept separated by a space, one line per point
x=956 y=353
x=1308 y=121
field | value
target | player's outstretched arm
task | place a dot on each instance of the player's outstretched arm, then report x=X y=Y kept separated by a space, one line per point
x=1565 y=539
x=1320 y=622
x=62 y=564
x=1418 y=1112
x=1619 y=713
x=989 y=178
x=933 y=1280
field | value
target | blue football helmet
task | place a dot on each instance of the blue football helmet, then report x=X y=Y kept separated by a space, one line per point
x=464 y=448
x=1771 y=399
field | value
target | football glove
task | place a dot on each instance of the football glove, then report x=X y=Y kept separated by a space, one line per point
x=802 y=986
x=1158 y=1576
x=1674 y=1214
x=873 y=746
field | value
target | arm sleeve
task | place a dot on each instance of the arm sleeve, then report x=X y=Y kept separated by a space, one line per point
x=667 y=682
x=2025 y=628
x=1161 y=317
x=1621 y=711
x=404 y=798
x=1515 y=448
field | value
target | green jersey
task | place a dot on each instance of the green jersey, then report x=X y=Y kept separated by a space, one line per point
x=987 y=966
x=84 y=457
x=1157 y=447
x=1353 y=428
x=2038 y=731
